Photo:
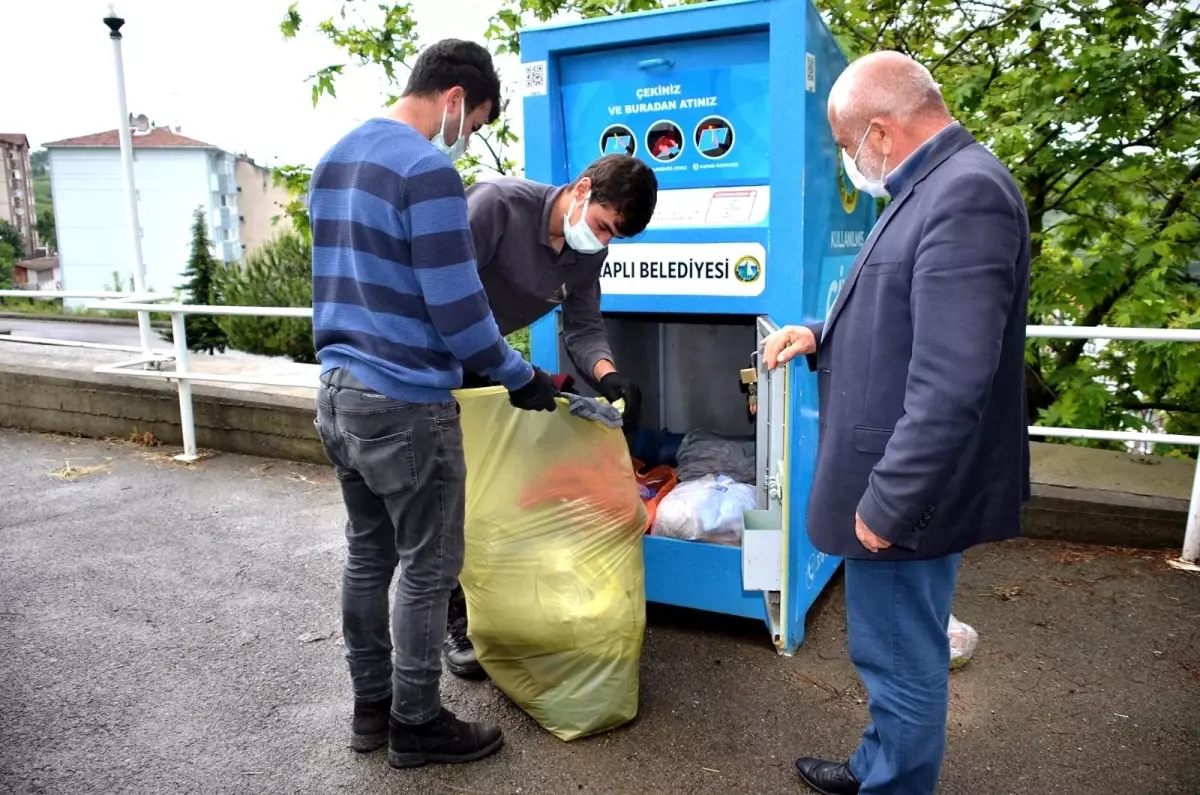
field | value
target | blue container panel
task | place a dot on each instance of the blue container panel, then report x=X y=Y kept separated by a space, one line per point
x=700 y=576
x=696 y=111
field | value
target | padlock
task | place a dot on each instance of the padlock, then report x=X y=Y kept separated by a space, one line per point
x=750 y=376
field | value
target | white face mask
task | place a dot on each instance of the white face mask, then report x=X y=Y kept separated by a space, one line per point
x=453 y=151
x=873 y=187
x=580 y=237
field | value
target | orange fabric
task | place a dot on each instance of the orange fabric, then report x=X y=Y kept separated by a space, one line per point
x=591 y=483
x=661 y=479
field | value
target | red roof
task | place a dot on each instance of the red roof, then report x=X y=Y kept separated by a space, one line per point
x=160 y=137
x=16 y=139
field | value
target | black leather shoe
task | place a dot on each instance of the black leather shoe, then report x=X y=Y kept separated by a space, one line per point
x=827 y=778
x=369 y=729
x=444 y=739
x=457 y=652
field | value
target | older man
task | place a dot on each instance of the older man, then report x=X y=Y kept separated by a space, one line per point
x=923 y=449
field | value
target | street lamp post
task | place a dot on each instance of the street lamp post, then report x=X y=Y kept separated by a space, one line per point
x=114 y=23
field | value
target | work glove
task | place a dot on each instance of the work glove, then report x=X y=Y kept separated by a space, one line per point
x=614 y=387
x=475 y=381
x=537 y=395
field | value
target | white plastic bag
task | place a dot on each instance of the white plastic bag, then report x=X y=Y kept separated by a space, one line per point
x=963 y=640
x=707 y=509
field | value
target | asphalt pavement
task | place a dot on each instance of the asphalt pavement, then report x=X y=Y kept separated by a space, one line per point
x=174 y=629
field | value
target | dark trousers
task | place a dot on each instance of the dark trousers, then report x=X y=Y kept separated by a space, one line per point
x=897 y=614
x=403 y=476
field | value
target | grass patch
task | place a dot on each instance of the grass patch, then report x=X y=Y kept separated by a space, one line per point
x=53 y=307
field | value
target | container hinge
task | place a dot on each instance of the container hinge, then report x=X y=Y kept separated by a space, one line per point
x=774 y=487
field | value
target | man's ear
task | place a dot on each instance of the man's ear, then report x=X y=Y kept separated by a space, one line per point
x=582 y=188
x=455 y=99
x=881 y=130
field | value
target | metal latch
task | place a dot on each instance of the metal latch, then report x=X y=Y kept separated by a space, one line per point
x=750 y=379
x=775 y=487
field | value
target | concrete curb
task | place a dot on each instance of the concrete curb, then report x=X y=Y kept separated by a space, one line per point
x=104 y=406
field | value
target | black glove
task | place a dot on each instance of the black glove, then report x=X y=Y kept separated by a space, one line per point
x=614 y=387
x=475 y=381
x=537 y=395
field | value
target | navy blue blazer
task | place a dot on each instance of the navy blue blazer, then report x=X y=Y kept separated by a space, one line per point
x=921 y=366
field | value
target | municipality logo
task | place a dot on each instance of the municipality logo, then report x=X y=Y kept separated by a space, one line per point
x=747 y=269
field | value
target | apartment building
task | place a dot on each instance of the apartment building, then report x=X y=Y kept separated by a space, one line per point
x=173 y=175
x=16 y=190
x=260 y=203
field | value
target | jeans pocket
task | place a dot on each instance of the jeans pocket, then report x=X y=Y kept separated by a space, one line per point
x=387 y=464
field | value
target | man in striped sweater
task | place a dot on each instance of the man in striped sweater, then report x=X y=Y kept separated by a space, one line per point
x=398 y=311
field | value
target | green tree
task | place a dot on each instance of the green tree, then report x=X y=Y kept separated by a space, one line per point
x=200 y=288
x=8 y=262
x=45 y=229
x=279 y=273
x=1096 y=110
x=10 y=235
x=39 y=162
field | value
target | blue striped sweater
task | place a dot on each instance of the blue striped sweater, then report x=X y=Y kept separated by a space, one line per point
x=396 y=293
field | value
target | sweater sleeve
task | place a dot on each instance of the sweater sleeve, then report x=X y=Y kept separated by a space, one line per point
x=443 y=260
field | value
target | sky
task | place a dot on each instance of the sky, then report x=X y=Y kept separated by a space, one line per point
x=219 y=69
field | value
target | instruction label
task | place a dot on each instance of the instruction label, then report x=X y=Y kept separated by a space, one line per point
x=698 y=127
x=712 y=269
x=700 y=207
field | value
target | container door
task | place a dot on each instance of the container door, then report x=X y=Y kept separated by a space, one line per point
x=764 y=542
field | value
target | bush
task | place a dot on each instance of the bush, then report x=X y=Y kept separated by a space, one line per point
x=279 y=273
x=8 y=262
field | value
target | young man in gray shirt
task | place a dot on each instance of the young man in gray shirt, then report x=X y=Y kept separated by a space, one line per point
x=540 y=246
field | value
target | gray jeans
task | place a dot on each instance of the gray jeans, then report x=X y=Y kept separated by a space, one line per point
x=403 y=476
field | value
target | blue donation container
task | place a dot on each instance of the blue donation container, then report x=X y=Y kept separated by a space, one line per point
x=756 y=226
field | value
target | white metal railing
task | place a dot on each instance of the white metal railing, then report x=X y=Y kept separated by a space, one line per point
x=148 y=362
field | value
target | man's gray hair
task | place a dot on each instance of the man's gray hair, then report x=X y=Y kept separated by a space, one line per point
x=885 y=83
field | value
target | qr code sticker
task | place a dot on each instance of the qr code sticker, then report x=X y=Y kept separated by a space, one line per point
x=810 y=72
x=535 y=78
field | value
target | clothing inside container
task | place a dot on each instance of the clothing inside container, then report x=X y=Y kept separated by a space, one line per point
x=696 y=417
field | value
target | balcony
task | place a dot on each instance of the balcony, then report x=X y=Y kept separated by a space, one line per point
x=226 y=218
x=230 y=251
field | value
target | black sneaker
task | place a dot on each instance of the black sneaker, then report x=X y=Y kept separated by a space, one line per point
x=369 y=729
x=444 y=739
x=457 y=652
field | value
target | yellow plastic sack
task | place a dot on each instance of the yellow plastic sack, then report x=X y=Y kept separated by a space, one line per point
x=553 y=575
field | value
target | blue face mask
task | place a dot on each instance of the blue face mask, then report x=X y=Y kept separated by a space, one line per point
x=455 y=150
x=580 y=236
